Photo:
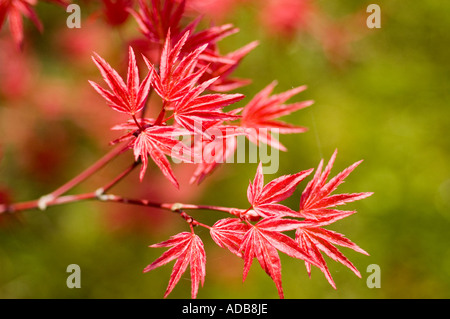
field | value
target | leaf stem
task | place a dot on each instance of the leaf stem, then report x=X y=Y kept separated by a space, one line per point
x=147 y=101
x=137 y=123
x=162 y=113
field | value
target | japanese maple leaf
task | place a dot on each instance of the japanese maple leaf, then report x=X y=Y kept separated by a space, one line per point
x=228 y=233
x=158 y=141
x=161 y=21
x=132 y=125
x=15 y=9
x=195 y=111
x=264 y=199
x=222 y=149
x=223 y=69
x=188 y=249
x=126 y=98
x=133 y=128
x=317 y=239
x=176 y=76
x=260 y=113
x=316 y=206
x=263 y=240
x=157 y=19
x=208 y=37
x=216 y=146
x=316 y=203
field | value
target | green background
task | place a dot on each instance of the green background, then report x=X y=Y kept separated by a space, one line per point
x=388 y=105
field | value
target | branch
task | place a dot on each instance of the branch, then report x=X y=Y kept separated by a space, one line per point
x=174 y=207
x=101 y=196
x=45 y=200
x=12 y=208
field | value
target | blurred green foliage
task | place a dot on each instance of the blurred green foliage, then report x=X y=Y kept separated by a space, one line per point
x=388 y=104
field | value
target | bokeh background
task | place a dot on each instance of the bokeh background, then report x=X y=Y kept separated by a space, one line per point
x=380 y=95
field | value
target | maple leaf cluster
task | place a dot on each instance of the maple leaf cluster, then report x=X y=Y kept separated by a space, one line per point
x=190 y=79
x=259 y=231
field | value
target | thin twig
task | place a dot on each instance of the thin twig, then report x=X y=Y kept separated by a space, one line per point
x=101 y=196
x=16 y=207
x=119 y=177
x=88 y=172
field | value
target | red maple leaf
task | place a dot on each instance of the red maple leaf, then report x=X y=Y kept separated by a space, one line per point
x=132 y=125
x=317 y=239
x=126 y=98
x=133 y=128
x=220 y=149
x=157 y=19
x=216 y=145
x=158 y=141
x=208 y=37
x=188 y=249
x=263 y=240
x=316 y=206
x=228 y=233
x=316 y=201
x=195 y=111
x=222 y=69
x=161 y=24
x=260 y=113
x=176 y=76
x=264 y=199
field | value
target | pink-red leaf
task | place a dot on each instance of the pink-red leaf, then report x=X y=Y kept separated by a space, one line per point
x=158 y=141
x=223 y=69
x=126 y=98
x=176 y=76
x=282 y=187
x=195 y=111
x=264 y=199
x=306 y=244
x=316 y=198
x=188 y=249
x=263 y=109
x=315 y=218
x=317 y=209
x=263 y=240
x=156 y=20
x=273 y=210
x=316 y=239
x=214 y=153
x=228 y=233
